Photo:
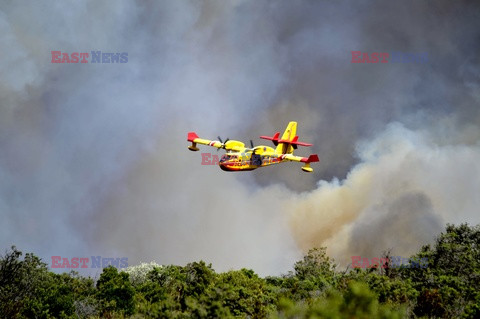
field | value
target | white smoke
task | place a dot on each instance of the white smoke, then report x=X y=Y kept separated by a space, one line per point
x=408 y=184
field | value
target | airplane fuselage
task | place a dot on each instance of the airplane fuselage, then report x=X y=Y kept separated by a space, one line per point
x=244 y=162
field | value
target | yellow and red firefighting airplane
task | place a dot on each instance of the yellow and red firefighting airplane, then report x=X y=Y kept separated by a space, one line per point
x=240 y=158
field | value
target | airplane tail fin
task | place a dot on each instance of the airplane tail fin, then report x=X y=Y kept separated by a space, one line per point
x=289 y=140
x=284 y=147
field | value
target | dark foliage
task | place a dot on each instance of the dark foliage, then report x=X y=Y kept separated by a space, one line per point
x=449 y=287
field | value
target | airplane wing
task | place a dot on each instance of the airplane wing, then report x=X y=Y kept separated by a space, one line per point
x=306 y=160
x=194 y=139
x=230 y=145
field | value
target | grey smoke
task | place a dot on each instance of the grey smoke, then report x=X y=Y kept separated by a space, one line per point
x=93 y=158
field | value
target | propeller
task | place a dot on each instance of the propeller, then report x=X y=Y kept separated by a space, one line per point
x=223 y=143
x=252 y=148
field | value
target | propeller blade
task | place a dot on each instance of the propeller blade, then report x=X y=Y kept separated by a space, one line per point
x=220 y=139
x=251 y=143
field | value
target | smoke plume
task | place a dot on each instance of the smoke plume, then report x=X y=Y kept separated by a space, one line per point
x=406 y=187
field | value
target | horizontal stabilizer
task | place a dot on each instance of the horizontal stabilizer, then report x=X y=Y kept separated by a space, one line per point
x=270 y=138
x=312 y=158
x=295 y=142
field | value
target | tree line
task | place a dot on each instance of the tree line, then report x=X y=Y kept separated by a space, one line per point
x=449 y=287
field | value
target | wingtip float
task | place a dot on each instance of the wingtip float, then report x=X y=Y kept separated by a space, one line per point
x=240 y=158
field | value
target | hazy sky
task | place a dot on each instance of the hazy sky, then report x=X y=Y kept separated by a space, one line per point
x=94 y=158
